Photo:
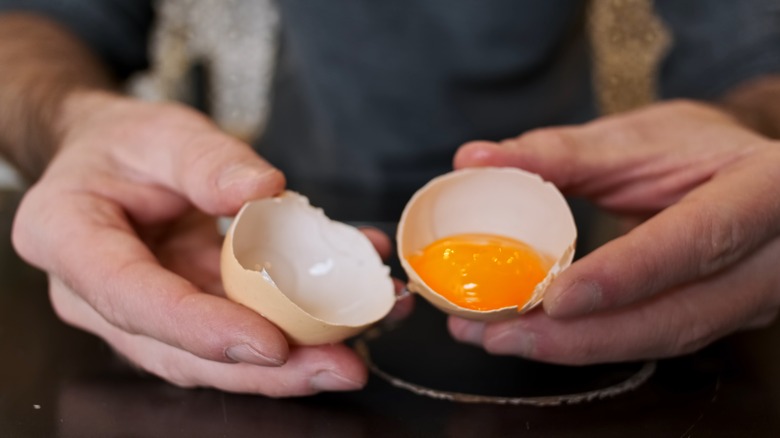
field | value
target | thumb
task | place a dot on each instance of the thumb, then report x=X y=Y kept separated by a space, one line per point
x=219 y=173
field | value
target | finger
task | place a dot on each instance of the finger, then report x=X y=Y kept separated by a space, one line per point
x=404 y=303
x=191 y=248
x=118 y=276
x=762 y=320
x=626 y=162
x=618 y=186
x=631 y=181
x=309 y=369
x=380 y=240
x=189 y=155
x=677 y=322
x=549 y=152
x=220 y=174
x=713 y=227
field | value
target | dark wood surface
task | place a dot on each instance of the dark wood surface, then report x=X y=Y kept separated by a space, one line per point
x=56 y=381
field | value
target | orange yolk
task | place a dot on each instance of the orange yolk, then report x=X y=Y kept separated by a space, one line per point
x=481 y=271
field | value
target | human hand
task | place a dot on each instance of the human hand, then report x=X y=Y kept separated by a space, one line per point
x=702 y=266
x=118 y=223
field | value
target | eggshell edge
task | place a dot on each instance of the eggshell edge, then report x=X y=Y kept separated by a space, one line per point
x=417 y=285
x=251 y=289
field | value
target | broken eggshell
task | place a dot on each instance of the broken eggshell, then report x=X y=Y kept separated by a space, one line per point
x=318 y=280
x=502 y=201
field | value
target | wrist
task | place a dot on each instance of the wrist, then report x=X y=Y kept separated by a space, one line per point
x=43 y=64
x=61 y=111
x=78 y=108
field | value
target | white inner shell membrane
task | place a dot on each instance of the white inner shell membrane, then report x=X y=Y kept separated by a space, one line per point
x=328 y=269
x=505 y=202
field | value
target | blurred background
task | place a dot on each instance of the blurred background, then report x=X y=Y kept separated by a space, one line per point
x=628 y=41
x=8 y=177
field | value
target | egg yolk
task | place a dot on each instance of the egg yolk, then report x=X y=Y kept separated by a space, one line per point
x=481 y=271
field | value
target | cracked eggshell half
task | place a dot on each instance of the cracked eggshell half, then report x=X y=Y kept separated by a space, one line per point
x=502 y=201
x=318 y=280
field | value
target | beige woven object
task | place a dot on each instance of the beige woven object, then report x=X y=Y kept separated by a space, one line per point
x=235 y=40
x=628 y=43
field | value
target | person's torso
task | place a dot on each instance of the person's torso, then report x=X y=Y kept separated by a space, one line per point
x=372 y=98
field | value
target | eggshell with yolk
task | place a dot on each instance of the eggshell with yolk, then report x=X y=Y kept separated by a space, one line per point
x=501 y=201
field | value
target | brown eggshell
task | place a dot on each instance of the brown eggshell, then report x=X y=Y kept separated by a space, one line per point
x=318 y=280
x=501 y=201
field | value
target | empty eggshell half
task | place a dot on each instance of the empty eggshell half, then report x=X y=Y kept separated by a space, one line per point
x=501 y=201
x=318 y=280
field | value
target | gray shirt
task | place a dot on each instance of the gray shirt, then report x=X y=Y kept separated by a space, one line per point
x=371 y=98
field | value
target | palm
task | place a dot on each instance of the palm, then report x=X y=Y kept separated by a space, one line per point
x=190 y=246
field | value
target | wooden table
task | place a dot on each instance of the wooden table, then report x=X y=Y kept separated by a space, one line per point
x=58 y=381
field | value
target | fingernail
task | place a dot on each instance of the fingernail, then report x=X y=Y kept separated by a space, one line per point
x=469 y=332
x=330 y=381
x=579 y=299
x=245 y=353
x=512 y=341
x=240 y=173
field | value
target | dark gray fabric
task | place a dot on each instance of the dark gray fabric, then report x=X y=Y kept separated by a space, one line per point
x=117 y=30
x=374 y=97
x=718 y=45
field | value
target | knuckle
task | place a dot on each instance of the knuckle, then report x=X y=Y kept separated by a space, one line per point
x=175 y=367
x=169 y=366
x=104 y=305
x=111 y=304
x=164 y=115
x=690 y=108
x=556 y=138
x=205 y=153
x=692 y=339
x=564 y=349
x=721 y=241
x=21 y=237
x=174 y=372
x=762 y=321
x=560 y=151
x=282 y=390
x=65 y=311
x=683 y=105
x=581 y=351
x=685 y=331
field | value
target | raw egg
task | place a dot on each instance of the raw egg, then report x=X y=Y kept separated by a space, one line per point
x=481 y=271
x=485 y=243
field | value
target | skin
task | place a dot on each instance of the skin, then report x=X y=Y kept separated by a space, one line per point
x=122 y=222
x=118 y=222
x=701 y=266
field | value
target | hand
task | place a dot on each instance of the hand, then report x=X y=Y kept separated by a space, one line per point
x=117 y=222
x=702 y=266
